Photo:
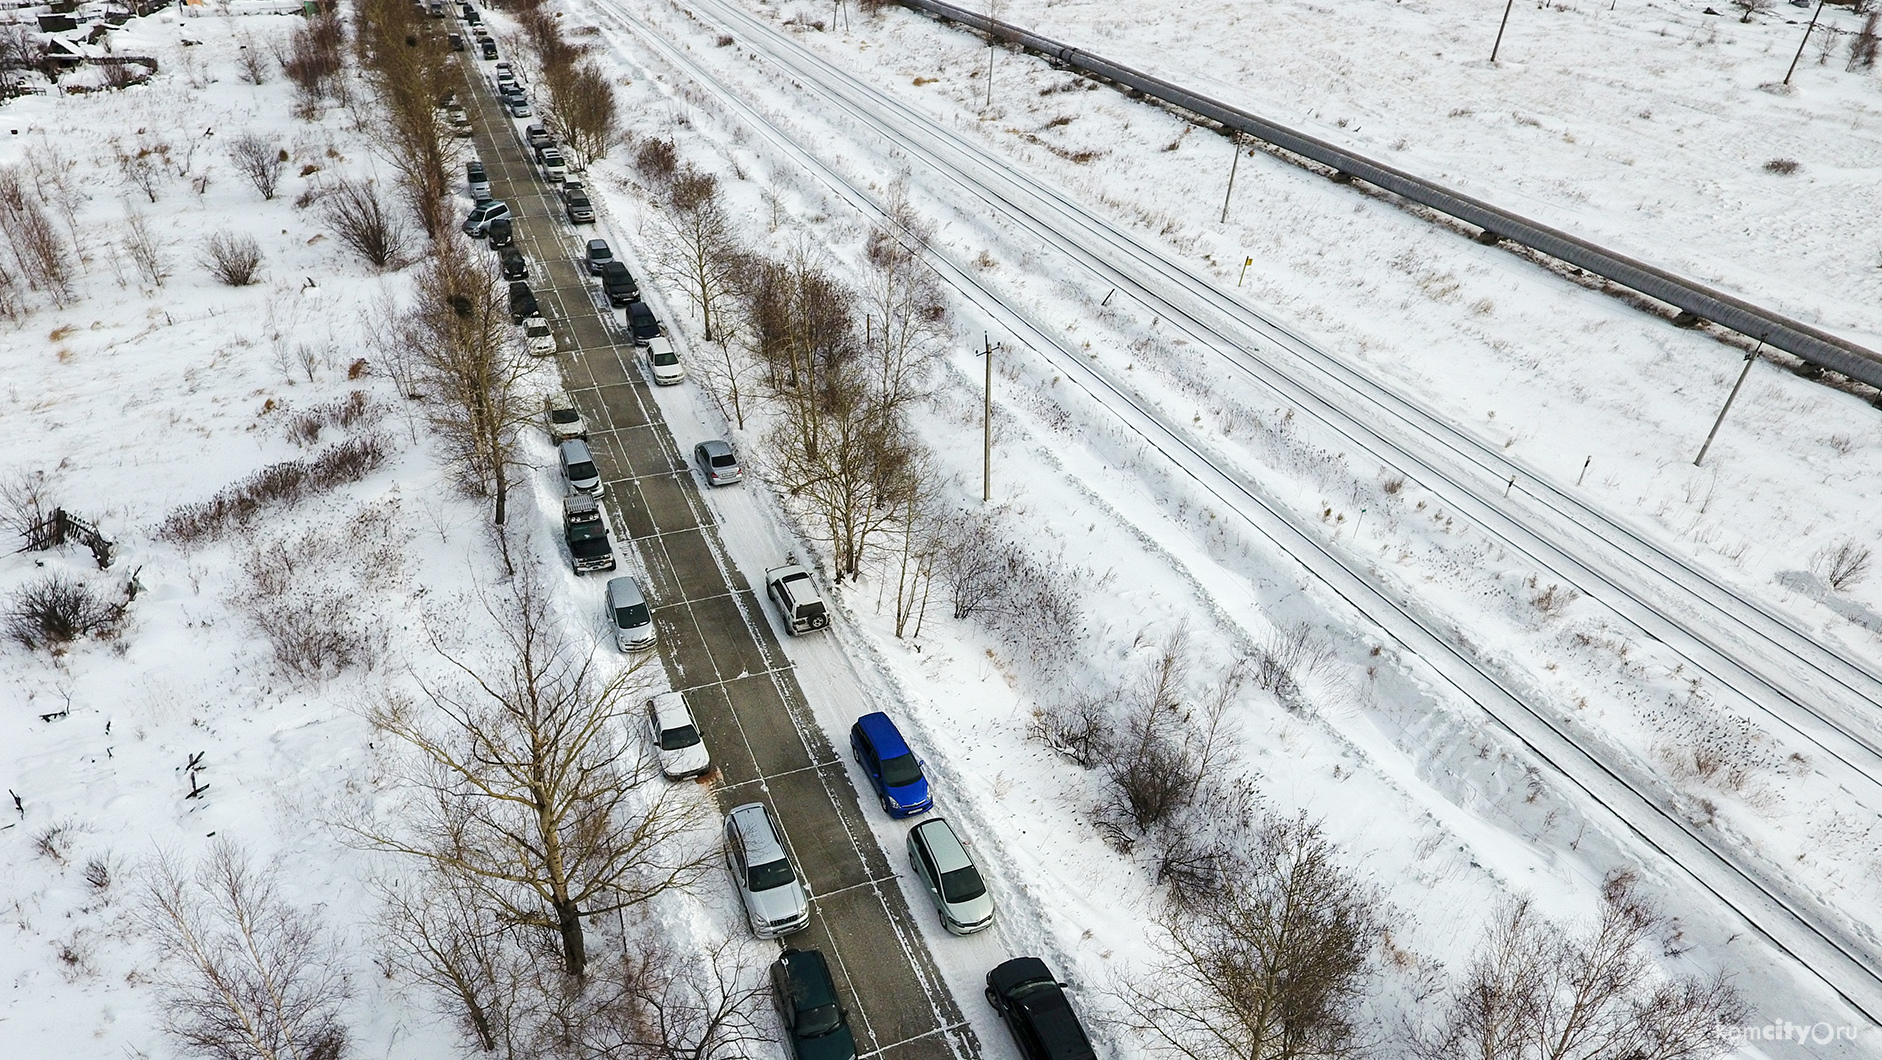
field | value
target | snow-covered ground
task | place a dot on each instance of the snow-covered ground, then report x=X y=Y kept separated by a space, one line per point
x=1641 y=127
x=1466 y=330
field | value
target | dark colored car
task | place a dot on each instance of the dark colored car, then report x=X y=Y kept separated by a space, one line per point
x=514 y=265
x=618 y=284
x=502 y=232
x=580 y=210
x=522 y=302
x=892 y=769
x=641 y=321
x=1037 y=1012
x=806 y=1001
x=457 y=41
x=599 y=254
x=490 y=49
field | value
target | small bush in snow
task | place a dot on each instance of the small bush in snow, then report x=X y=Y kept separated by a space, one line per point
x=260 y=160
x=1841 y=566
x=233 y=259
x=43 y=255
x=1783 y=167
x=366 y=223
x=1289 y=653
x=141 y=247
x=25 y=501
x=57 y=610
x=657 y=161
x=305 y=427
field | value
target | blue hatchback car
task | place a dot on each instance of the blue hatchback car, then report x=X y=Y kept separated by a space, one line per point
x=893 y=769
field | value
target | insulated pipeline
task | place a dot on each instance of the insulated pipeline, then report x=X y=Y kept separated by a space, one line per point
x=1810 y=344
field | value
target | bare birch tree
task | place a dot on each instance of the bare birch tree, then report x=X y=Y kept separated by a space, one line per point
x=244 y=975
x=471 y=367
x=522 y=787
x=696 y=245
x=907 y=323
x=1536 y=992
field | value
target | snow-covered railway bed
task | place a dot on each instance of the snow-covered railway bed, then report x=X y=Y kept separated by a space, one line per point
x=1757 y=654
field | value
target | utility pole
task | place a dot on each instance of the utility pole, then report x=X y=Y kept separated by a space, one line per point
x=1729 y=398
x=1494 y=48
x=986 y=429
x=1800 y=48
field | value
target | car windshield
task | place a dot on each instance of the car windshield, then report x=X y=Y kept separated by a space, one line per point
x=588 y=543
x=631 y=616
x=537 y=331
x=725 y=460
x=900 y=771
x=962 y=885
x=769 y=875
x=581 y=470
x=666 y=357
x=563 y=415
x=678 y=739
x=819 y=1021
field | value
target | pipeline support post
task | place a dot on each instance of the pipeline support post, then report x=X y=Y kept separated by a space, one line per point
x=1729 y=398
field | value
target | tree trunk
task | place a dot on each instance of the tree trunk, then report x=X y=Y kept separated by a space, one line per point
x=574 y=947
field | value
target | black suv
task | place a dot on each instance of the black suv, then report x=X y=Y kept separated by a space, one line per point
x=522 y=302
x=641 y=321
x=1036 y=1011
x=501 y=232
x=618 y=284
x=806 y=1000
x=514 y=265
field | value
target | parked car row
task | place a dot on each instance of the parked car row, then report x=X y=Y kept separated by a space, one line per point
x=772 y=892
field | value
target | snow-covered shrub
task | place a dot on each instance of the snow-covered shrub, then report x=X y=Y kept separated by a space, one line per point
x=365 y=222
x=1031 y=602
x=311 y=595
x=233 y=259
x=260 y=160
x=59 y=609
x=280 y=484
x=1841 y=565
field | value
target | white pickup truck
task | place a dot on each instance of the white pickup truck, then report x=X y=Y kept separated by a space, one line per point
x=795 y=593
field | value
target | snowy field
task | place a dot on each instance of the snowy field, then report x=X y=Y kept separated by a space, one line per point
x=136 y=399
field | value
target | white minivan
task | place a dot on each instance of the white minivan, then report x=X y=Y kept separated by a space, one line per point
x=629 y=614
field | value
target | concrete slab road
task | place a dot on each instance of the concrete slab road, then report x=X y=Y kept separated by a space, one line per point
x=718 y=649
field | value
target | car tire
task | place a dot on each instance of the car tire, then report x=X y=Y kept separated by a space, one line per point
x=884 y=801
x=994 y=1000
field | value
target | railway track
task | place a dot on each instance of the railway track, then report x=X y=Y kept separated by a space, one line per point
x=1764 y=658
